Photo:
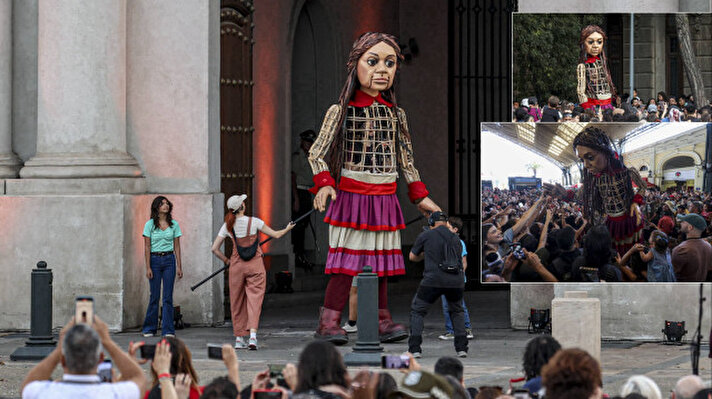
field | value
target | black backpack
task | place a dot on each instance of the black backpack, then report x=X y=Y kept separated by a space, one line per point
x=452 y=251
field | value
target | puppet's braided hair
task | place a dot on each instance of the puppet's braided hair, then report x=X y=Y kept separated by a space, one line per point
x=586 y=32
x=360 y=46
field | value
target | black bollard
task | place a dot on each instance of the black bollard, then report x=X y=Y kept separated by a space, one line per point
x=41 y=342
x=367 y=350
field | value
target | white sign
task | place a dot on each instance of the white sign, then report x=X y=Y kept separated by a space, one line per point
x=679 y=174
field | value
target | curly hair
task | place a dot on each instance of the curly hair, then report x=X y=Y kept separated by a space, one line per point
x=596 y=139
x=155 y=206
x=586 y=32
x=571 y=373
x=537 y=353
x=360 y=46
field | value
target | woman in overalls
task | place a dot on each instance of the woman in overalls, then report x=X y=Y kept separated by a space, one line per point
x=247 y=277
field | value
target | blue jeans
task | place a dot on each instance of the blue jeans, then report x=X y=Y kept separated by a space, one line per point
x=164 y=270
x=446 y=313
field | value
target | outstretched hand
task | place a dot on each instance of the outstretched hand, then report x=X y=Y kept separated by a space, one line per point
x=555 y=189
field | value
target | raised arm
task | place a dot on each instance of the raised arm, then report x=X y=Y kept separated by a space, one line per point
x=527 y=218
x=545 y=229
x=279 y=233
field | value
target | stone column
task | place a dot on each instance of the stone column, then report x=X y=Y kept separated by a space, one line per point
x=9 y=162
x=81 y=110
x=576 y=322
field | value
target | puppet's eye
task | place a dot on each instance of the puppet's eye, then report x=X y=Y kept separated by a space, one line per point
x=372 y=62
x=390 y=63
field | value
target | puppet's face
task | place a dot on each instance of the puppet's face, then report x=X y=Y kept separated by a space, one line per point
x=594 y=161
x=377 y=68
x=594 y=44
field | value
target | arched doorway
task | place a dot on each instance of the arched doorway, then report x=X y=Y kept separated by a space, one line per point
x=314 y=69
x=315 y=86
x=679 y=173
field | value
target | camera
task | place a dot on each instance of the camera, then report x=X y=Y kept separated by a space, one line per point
x=518 y=251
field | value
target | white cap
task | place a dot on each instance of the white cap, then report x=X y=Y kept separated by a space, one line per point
x=236 y=201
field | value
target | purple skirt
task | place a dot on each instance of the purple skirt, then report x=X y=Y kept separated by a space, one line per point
x=624 y=232
x=363 y=231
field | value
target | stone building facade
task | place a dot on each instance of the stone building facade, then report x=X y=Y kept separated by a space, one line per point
x=106 y=104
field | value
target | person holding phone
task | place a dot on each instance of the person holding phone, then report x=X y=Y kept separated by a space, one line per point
x=180 y=368
x=161 y=236
x=79 y=351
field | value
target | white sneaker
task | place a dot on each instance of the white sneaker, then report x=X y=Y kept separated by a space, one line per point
x=240 y=343
x=470 y=335
x=349 y=328
x=446 y=337
x=461 y=354
x=146 y=335
x=252 y=344
x=417 y=355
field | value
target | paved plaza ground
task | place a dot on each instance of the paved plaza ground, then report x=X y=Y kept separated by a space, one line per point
x=495 y=354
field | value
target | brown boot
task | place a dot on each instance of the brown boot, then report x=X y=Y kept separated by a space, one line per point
x=330 y=327
x=388 y=331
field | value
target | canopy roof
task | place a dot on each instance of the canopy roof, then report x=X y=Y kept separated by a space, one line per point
x=553 y=140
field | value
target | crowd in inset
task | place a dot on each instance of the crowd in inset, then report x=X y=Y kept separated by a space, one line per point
x=549 y=372
x=626 y=108
x=528 y=236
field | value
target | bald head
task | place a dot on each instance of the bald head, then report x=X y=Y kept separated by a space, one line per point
x=687 y=386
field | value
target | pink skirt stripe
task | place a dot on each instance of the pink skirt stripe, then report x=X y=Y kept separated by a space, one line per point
x=366 y=212
x=382 y=264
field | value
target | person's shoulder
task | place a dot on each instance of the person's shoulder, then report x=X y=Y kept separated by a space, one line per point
x=148 y=224
x=174 y=223
x=124 y=389
x=31 y=389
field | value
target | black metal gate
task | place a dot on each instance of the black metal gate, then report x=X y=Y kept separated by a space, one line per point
x=480 y=90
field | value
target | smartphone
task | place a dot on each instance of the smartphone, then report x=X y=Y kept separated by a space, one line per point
x=215 y=351
x=84 y=310
x=267 y=394
x=148 y=351
x=104 y=371
x=275 y=370
x=395 y=361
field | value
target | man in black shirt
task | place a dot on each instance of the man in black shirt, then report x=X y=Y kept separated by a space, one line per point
x=443 y=275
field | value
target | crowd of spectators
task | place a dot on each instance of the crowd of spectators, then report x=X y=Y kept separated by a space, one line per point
x=549 y=372
x=663 y=108
x=532 y=237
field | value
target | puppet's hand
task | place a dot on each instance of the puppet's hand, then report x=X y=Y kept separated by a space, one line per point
x=427 y=206
x=324 y=193
x=556 y=190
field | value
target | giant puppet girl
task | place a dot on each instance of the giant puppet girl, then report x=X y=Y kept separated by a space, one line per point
x=607 y=194
x=367 y=141
x=595 y=88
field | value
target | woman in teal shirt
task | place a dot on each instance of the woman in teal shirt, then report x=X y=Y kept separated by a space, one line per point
x=162 y=251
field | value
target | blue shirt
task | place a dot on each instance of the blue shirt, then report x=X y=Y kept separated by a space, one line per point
x=161 y=240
